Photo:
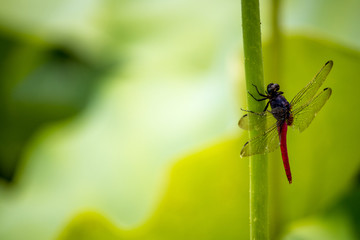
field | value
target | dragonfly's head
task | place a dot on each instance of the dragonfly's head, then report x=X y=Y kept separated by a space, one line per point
x=273 y=88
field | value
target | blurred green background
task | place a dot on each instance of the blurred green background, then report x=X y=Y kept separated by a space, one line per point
x=119 y=120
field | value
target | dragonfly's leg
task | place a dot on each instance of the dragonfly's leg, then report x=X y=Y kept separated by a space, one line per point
x=257 y=113
x=259 y=92
x=267 y=105
x=262 y=99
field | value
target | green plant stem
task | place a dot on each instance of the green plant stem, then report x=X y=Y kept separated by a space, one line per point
x=258 y=164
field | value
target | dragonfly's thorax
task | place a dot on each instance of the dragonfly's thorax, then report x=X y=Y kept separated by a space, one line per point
x=279 y=101
x=280 y=108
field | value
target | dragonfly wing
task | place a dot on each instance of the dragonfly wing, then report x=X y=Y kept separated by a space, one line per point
x=304 y=115
x=264 y=143
x=309 y=91
x=261 y=119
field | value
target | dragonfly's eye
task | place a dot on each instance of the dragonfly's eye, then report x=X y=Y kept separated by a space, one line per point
x=276 y=87
x=273 y=87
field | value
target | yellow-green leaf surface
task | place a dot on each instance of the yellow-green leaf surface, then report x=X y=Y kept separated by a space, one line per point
x=206 y=198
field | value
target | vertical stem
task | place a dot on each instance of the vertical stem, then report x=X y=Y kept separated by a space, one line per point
x=258 y=165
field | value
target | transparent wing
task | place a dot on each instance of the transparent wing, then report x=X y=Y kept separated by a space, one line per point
x=261 y=119
x=304 y=115
x=309 y=91
x=264 y=143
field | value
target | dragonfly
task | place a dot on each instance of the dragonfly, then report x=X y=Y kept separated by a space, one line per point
x=299 y=113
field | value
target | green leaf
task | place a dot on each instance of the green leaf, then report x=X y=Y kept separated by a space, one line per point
x=206 y=198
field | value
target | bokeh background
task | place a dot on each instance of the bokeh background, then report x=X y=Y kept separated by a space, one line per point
x=119 y=119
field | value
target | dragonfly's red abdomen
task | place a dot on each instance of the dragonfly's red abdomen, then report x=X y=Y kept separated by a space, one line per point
x=282 y=129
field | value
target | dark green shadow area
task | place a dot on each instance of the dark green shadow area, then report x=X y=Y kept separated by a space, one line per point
x=39 y=83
